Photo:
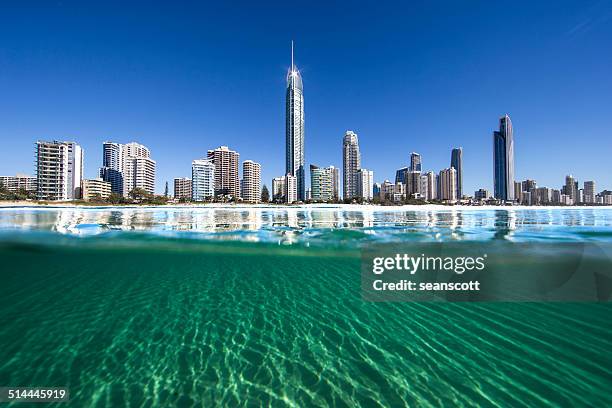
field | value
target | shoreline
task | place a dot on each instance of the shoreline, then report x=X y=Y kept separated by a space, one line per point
x=242 y=206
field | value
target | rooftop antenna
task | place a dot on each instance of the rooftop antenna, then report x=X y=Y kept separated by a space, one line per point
x=292 y=67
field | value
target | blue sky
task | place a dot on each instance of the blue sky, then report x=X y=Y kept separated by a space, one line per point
x=423 y=76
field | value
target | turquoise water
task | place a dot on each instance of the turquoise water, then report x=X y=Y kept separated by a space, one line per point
x=202 y=307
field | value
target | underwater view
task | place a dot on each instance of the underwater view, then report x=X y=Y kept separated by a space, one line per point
x=249 y=306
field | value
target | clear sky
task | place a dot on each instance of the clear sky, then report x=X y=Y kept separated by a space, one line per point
x=422 y=76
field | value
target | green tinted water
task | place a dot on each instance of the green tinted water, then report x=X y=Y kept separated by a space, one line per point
x=147 y=323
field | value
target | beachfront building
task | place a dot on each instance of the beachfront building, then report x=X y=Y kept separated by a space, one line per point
x=251 y=181
x=18 y=182
x=113 y=160
x=589 y=192
x=202 y=180
x=448 y=189
x=59 y=170
x=429 y=186
x=365 y=184
x=227 y=180
x=138 y=169
x=182 y=188
x=96 y=189
x=322 y=183
x=351 y=163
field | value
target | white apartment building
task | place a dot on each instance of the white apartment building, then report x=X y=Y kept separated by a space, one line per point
x=365 y=184
x=202 y=180
x=96 y=188
x=59 y=170
x=138 y=168
x=19 y=182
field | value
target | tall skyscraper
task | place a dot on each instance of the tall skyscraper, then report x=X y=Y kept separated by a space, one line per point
x=365 y=184
x=251 y=181
x=415 y=162
x=448 y=189
x=351 y=162
x=202 y=179
x=112 y=165
x=335 y=183
x=457 y=163
x=138 y=168
x=227 y=181
x=294 y=128
x=59 y=170
x=503 y=160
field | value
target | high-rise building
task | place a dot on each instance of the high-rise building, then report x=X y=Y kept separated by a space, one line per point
x=251 y=181
x=503 y=160
x=528 y=192
x=412 y=183
x=182 y=188
x=365 y=184
x=518 y=192
x=335 y=183
x=202 y=179
x=138 y=168
x=448 y=189
x=428 y=186
x=19 y=182
x=457 y=164
x=589 y=192
x=96 y=189
x=415 y=162
x=227 y=181
x=294 y=128
x=570 y=189
x=59 y=170
x=321 y=183
x=351 y=163
x=113 y=160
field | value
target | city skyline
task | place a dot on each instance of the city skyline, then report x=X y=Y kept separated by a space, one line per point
x=392 y=118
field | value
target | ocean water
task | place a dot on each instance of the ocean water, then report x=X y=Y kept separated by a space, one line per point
x=193 y=307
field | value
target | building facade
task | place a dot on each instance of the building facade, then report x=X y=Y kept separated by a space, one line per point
x=503 y=160
x=351 y=163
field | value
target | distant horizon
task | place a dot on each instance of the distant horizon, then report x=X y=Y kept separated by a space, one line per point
x=185 y=80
